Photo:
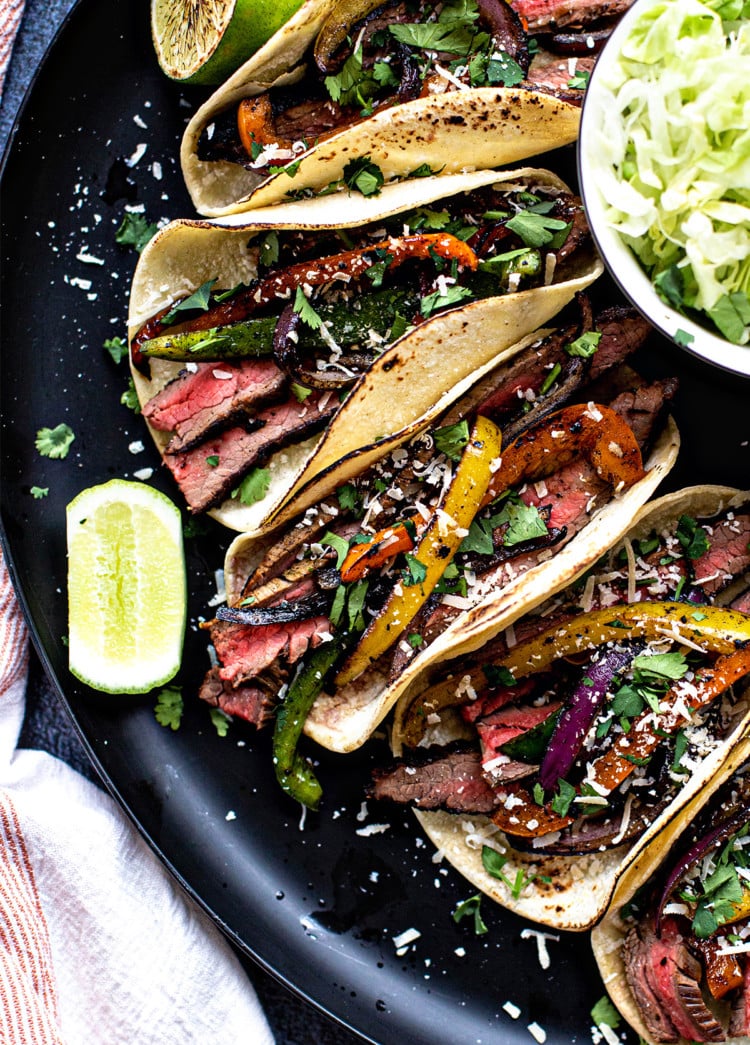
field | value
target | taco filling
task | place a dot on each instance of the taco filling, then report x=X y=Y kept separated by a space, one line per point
x=686 y=948
x=581 y=724
x=369 y=57
x=367 y=578
x=268 y=364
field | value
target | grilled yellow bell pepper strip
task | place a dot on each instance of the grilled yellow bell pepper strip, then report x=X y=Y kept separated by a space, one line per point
x=713 y=628
x=436 y=547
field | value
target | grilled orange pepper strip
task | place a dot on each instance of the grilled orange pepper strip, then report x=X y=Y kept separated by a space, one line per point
x=384 y=545
x=435 y=550
x=255 y=124
x=591 y=430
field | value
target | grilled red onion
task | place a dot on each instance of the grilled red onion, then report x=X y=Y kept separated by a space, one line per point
x=715 y=837
x=281 y=613
x=287 y=356
x=579 y=714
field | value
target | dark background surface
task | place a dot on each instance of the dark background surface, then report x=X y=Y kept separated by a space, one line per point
x=354 y=915
x=47 y=725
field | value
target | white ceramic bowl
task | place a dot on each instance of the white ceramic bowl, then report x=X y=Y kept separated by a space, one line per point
x=619 y=259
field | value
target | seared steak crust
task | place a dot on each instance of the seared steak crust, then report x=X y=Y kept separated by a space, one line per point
x=251 y=703
x=453 y=781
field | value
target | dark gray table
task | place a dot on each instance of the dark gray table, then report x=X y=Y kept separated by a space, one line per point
x=47 y=726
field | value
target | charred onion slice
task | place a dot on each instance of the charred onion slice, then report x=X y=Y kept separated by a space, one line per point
x=577 y=717
x=288 y=358
x=335 y=30
x=435 y=550
x=347 y=265
x=281 y=613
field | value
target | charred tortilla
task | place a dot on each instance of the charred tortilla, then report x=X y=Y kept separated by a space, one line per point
x=424 y=368
x=420 y=107
x=566 y=891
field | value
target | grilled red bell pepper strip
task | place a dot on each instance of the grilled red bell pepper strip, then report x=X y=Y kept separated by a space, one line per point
x=384 y=546
x=435 y=550
x=348 y=264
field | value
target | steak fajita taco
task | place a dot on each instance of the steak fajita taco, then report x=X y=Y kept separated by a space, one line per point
x=263 y=354
x=543 y=763
x=513 y=491
x=674 y=948
x=352 y=95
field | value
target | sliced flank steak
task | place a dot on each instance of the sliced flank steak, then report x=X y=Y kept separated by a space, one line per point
x=453 y=781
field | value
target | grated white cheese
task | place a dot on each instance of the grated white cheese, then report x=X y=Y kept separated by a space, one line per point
x=541 y=944
x=538 y=1033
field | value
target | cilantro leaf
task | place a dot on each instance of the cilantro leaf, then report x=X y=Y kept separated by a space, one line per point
x=562 y=801
x=670 y=286
x=605 y=1013
x=451 y=439
x=498 y=675
x=135 y=231
x=451 y=38
x=347 y=497
x=660 y=666
x=692 y=537
x=579 y=80
x=197 y=301
x=364 y=176
x=253 y=487
x=221 y=721
x=585 y=345
x=38 y=492
x=129 y=397
x=169 y=707
x=54 y=442
x=339 y=544
x=437 y=300
x=416 y=571
x=117 y=348
x=681 y=337
x=305 y=311
x=524 y=523
x=470 y=909
x=536 y=230
x=268 y=251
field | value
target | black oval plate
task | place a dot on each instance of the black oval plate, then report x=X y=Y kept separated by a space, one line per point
x=318 y=904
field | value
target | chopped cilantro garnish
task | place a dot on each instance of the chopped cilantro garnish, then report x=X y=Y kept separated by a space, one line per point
x=535 y=229
x=38 y=492
x=117 y=348
x=415 y=572
x=681 y=337
x=605 y=1014
x=305 y=311
x=254 y=486
x=580 y=80
x=268 y=251
x=550 y=379
x=498 y=675
x=471 y=909
x=364 y=176
x=129 y=397
x=300 y=392
x=538 y=794
x=221 y=721
x=54 y=442
x=347 y=497
x=437 y=300
x=692 y=537
x=451 y=439
x=562 y=801
x=339 y=544
x=135 y=231
x=169 y=707
x=197 y=301
x=212 y=460
x=585 y=345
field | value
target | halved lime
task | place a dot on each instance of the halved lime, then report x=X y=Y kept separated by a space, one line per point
x=127 y=594
x=205 y=41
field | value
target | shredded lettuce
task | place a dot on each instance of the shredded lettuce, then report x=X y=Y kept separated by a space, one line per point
x=675 y=154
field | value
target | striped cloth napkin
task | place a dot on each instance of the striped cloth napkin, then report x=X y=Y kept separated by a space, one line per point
x=10 y=19
x=98 y=946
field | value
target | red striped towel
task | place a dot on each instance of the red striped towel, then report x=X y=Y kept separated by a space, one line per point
x=10 y=19
x=98 y=946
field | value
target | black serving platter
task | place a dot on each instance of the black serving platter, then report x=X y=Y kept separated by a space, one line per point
x=317 y=903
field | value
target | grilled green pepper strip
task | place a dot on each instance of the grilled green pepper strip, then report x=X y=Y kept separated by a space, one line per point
x=254 y=337
x=292 y=771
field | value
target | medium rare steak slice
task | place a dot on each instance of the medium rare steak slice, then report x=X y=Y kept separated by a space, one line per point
x=209 y=472
x=211 y=398
x=452 y=781
x=664 y=978
x=251 y=703
x=245 y=652
x=739 y=1023
x=728 y=555
x=548 y=15
x=623 y=331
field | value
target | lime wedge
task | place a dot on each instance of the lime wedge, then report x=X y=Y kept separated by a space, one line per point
x=205 y=41
x=127 y=598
